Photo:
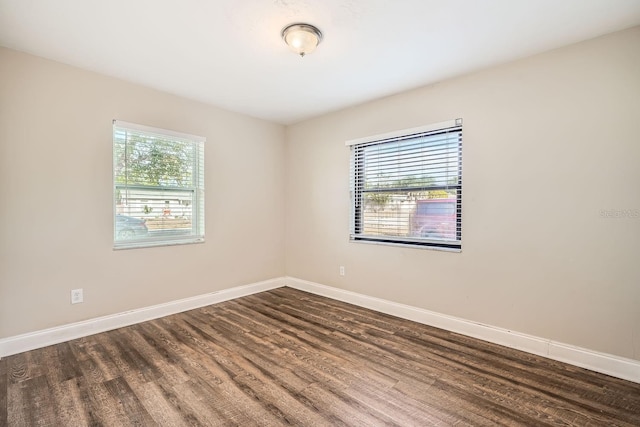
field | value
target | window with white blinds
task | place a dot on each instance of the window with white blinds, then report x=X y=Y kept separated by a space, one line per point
x=158 y=186
x=406 y=187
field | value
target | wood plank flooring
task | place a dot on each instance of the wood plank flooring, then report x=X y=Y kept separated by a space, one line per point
x=286 y=357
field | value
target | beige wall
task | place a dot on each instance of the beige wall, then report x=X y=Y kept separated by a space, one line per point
x=549 y=142
x=56 y=198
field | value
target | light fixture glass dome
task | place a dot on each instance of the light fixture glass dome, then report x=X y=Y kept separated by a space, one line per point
x=302 y=38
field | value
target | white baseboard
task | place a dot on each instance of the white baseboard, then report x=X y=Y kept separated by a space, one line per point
x=46 y=337
x=616 y=366
x=609 y=364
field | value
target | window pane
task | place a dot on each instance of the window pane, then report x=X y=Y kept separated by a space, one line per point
x=417 y=163
x=165 y=212
x=152 y=160
x=411 y=215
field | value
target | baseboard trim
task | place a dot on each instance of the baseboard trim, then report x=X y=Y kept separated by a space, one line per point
x=609 y=364
x=43 y=338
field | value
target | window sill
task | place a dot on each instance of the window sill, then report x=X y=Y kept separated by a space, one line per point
x=406 y=245
x=138 y=245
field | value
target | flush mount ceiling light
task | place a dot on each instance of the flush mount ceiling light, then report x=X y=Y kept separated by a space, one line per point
x=301 y=38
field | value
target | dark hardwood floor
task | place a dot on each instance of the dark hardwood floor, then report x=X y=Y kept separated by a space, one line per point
x=285 y=357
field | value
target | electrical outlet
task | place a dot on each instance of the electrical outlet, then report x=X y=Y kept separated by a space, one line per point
x=76 y=296
x=342 y=273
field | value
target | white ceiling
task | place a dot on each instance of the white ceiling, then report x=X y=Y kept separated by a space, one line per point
x=229 y=52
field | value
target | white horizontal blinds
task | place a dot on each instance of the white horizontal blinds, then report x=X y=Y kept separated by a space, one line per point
x=408 y=188
x=158 y=186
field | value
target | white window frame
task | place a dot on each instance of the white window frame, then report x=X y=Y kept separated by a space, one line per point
x=359 y=182
x=196 y=188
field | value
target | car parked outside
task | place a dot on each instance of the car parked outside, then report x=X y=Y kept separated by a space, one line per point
x=128 y=227
x=434 y=218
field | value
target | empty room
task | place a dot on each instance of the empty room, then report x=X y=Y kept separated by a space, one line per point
x=319 y=213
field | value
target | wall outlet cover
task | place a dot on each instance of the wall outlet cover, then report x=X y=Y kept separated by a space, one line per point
x=76 y=296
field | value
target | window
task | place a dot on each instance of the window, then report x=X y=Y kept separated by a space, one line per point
x=406 y=187
x=158 y=186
